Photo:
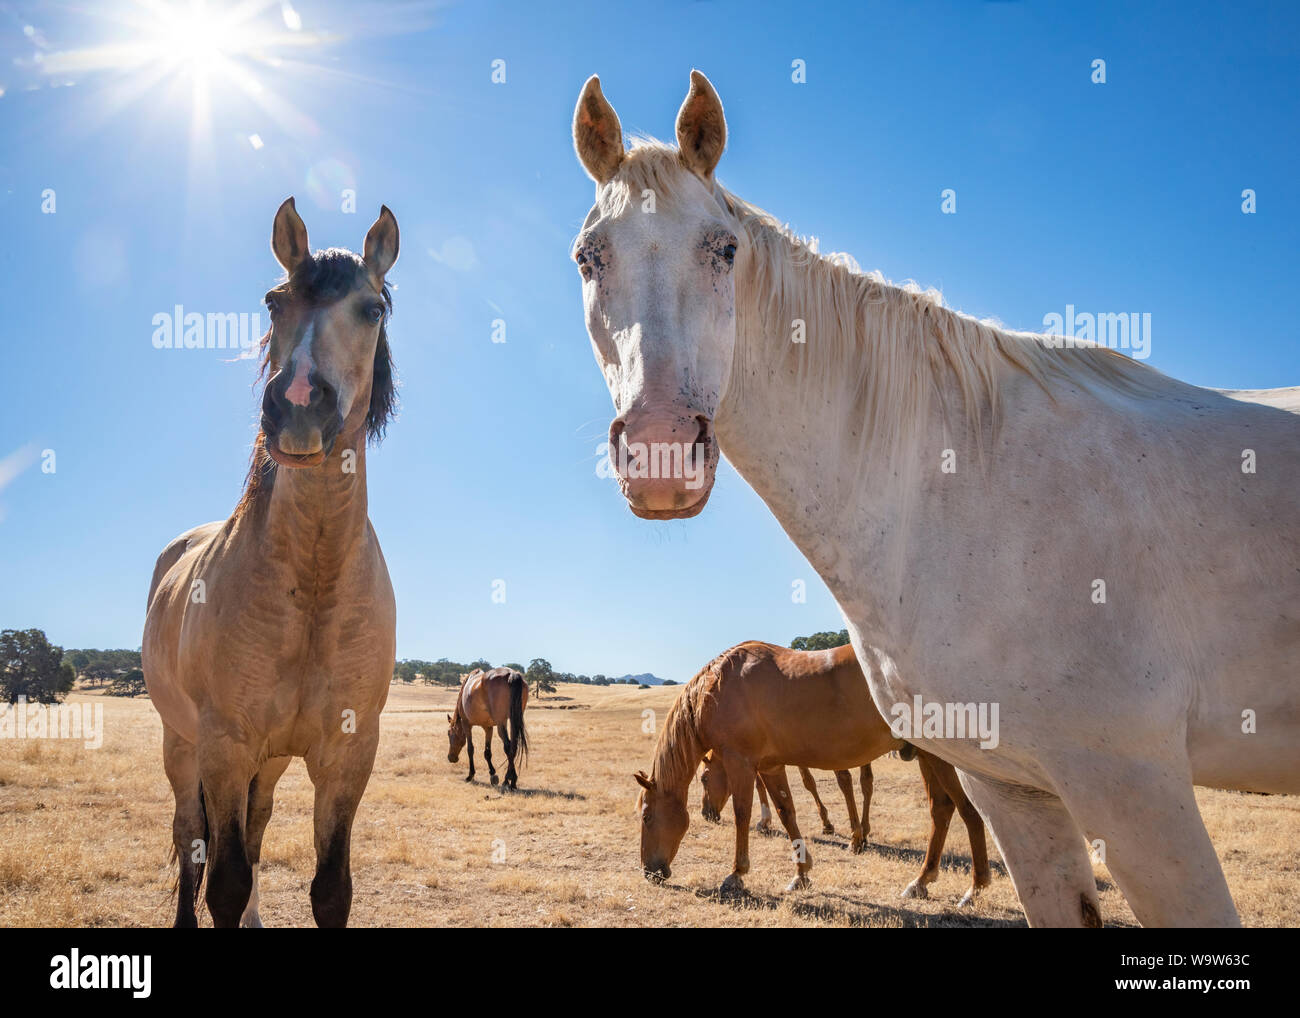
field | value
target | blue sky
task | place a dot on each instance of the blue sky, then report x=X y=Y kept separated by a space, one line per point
x=1123 y=196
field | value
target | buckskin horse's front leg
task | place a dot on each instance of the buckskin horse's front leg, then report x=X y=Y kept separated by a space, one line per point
x=339 y=787
x=225 y=769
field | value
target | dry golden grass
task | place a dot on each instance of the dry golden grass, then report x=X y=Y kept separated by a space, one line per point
x=84 y=836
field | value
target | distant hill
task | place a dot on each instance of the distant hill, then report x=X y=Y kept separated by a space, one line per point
x=648 y=678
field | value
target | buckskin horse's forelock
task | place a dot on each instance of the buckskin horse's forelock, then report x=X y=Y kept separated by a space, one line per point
x=324 y=277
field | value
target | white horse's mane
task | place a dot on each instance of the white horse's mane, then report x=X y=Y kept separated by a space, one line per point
x=872 y=347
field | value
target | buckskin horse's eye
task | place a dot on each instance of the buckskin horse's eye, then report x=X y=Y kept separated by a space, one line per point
x=272 y=305
x=729 y=253
x=375 y=313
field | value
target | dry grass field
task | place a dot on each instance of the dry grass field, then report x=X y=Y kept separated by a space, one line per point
x=84 y=836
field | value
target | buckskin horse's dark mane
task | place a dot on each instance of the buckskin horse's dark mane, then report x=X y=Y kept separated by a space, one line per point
x=322 y=279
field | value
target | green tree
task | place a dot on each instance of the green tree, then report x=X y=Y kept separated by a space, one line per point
x=820 y=641
x=128 y=684
x=31 y=666
x=541 y=676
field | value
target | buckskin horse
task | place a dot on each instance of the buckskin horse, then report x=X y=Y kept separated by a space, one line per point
x=497 y=697
x=270 y=635
x=1109 y=555
x=758 y=707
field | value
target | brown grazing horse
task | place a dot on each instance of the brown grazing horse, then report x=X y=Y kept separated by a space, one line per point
x=487 y=699
x=271 y=634
x=860 y=827
x=759 y=707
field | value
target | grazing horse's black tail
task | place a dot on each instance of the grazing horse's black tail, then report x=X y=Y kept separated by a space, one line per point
x=518 y=734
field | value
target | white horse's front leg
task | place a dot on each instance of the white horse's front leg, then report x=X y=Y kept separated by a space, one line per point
x=1152 y=839
x=1043 y=849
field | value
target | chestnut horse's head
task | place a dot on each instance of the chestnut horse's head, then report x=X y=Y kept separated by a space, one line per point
x=657 y=255
x=455 y=737
x=327 y=356
x=663 y=825
x=713 y=782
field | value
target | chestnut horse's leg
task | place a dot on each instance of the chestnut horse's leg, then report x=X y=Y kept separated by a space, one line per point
x=941 y=807
x=979 y=852
x=810 y=783
x=765 y=813
x=779 y=786
x=487 y=753
x=868 y=782
x=845 y=781
x=339 y=787
x=189 y=824
x=469 y=748
x=740 y=776
x=261 y=794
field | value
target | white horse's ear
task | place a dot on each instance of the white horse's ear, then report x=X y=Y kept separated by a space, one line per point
x=597 y=134
x=701 y=128
x=289 y=236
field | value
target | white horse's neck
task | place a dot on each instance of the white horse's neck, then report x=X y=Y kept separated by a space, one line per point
x=793 y=450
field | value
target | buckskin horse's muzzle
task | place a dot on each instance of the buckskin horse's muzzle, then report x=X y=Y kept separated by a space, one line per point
x=300 y=426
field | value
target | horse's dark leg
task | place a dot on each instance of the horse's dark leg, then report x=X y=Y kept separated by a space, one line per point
x=261 y=793
x=845 y=780
x=779 y=788
x=810 y=783
x=339 y=787
x=868 y=787
x=225 y=792
x=941 y=807
x=512 y=776
x=189 y=827
x=487 y=752
x=740 y=776
x=469 y=748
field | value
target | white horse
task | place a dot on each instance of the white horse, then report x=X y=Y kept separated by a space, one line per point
x=1109 y=555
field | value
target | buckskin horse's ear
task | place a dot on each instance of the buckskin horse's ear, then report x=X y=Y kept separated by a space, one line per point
x=644 y=781
x=381 y=243
x=289 y=237
x=597 y=134
x=701 y=128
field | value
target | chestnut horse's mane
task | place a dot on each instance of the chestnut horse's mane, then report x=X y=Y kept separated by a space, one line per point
x=681 y=747
x=324 y=277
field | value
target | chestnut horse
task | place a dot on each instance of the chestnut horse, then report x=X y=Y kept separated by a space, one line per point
x=486 y=699
x=860 y=828
x=270 y=635
x=759 y=707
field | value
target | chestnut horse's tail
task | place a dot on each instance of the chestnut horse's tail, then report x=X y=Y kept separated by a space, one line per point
x=518 y=733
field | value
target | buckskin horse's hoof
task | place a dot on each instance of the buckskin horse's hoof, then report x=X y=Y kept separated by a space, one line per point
x=799 y=883
x=495 y=779
x=469 y=777
x=732 y=885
